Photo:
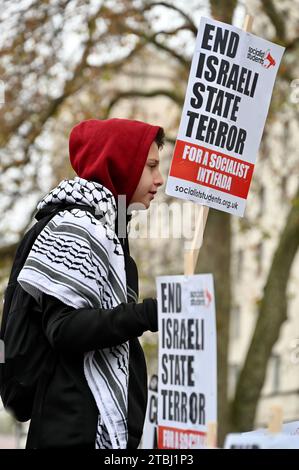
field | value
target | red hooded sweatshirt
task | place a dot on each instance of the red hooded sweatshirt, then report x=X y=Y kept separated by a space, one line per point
x=112 y=152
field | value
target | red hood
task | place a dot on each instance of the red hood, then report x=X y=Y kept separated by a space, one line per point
x=112 y=152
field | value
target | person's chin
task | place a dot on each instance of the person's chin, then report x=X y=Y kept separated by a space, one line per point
x=146 y=205
x=146 y=202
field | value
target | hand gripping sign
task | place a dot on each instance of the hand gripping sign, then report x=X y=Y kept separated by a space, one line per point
x=228 y=95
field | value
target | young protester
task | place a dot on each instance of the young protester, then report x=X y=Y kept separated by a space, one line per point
x=93 y=392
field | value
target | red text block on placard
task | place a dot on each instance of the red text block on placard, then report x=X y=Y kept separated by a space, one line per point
x=212 y=169
x=174 y=438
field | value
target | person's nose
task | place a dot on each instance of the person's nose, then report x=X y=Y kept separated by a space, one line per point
x=159 y=180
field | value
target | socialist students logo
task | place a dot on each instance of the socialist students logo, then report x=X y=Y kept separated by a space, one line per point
x=264 y=58
x=269 y=61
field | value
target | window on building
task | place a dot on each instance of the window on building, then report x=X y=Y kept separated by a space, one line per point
x=262 y=200
x=275 y=374
x=283 y=186
x=259 y=258
x=233 y=375
x=235 y=322
x=240 y=261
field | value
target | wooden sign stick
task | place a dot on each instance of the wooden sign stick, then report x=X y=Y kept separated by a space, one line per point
x=211 y=438
x=191 y=255
x=276 y=419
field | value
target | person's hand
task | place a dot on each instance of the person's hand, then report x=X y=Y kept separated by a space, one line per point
x=151 y=308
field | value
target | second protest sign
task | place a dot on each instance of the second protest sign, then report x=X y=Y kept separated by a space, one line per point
x=187 y=395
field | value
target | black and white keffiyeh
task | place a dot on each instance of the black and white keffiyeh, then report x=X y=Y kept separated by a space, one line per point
x=78 y=259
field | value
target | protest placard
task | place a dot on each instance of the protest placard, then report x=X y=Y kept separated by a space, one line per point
x=261 y=441
x=226 y=104
x=149 y=435
x=291 y=428
x=187 y=392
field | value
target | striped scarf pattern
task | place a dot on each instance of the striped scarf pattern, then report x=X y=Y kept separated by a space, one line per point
x=78 y=259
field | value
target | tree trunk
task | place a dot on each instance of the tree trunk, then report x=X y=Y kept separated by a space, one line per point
x=223 y=11
x=272 y=314
x=215 y=257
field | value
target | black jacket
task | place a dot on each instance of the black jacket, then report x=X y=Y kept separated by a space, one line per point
x=64 y=412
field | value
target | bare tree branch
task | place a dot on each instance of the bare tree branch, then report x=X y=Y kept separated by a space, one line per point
x=276 y=18
x=172 y=32
x=71 y=86
x=179 y=100
x=152 y=38
x=189 y=21
x=223 y=11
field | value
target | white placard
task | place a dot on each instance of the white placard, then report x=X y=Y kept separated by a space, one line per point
x=149 y=436
x=261 y=441
x=226 y=104
x=291 y=428
x=187 y=360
